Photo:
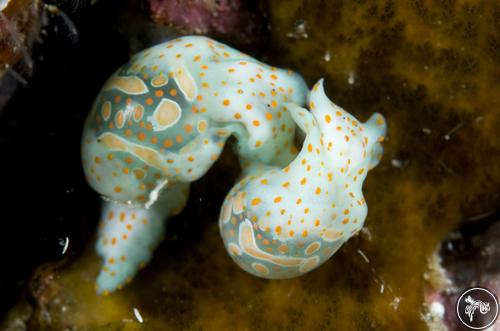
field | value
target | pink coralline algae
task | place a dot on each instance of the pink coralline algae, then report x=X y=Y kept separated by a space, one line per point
x=238 y=19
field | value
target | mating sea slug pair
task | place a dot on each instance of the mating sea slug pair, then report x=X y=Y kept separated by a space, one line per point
x=162 y=120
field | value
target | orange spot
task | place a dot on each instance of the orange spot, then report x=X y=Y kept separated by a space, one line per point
x=173 y=92
x=226 y=102
x=149 y=101
x=256 y=123
x=117 y=189
x=120 y=119
x=139 y=174
x=277 y=199
x=202 y=126
x=237 y=116
x=141 y=136
x=248 y=106
x=168 y=143
x=318 y=190
x=188 y=128
x=380 y=121
x=328 y=118
x=256 y=201
x=269 y=116
x=138 y=112
x=283 y=249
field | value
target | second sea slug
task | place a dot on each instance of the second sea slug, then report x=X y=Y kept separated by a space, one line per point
x=281 y=222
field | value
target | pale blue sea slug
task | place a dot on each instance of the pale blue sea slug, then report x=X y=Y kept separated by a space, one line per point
x=162 y=120
x=281 y=222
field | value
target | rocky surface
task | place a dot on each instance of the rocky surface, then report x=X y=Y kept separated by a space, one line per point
x=20 y=23
x=240 y=21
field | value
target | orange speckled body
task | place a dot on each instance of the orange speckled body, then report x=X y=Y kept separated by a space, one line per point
x=282 y=222
x=162 y=120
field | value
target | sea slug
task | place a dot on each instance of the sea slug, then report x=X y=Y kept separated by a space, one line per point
x=281 y=222
x=162 y=120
